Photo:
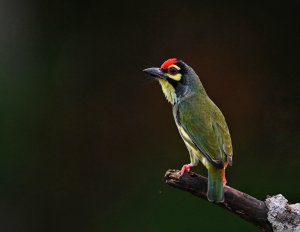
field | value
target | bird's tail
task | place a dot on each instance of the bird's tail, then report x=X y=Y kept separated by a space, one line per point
x=215 y=190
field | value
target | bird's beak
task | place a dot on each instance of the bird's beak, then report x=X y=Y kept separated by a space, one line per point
x=155 y=72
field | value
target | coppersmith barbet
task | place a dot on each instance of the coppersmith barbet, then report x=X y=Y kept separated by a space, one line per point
x=200 y=122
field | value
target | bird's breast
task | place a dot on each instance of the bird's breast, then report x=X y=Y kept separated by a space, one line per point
x=194 y=151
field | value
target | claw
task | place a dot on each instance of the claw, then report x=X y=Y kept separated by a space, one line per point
x=185 y=168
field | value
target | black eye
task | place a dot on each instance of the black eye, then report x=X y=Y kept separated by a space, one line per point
x=173 y=71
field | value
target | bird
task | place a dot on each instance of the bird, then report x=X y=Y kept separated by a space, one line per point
x=200 y=123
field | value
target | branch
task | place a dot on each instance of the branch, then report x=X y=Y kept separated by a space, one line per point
x=265 y=215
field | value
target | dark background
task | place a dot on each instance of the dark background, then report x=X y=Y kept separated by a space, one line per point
x=86 y=139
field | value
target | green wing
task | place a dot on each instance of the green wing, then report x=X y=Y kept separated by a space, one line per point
x=204 y=125
x=225 y=139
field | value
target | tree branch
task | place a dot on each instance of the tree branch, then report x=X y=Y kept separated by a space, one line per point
x=255 y=211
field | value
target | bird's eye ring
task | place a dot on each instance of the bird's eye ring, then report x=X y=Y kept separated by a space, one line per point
x=173 y=71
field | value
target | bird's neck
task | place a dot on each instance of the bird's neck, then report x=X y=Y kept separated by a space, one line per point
x=181 y=92
x=168 y=91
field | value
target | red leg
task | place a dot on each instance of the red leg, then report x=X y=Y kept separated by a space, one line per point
x=224 y=179
x=186 y=168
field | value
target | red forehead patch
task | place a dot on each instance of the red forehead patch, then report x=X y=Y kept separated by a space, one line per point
x=168 y=62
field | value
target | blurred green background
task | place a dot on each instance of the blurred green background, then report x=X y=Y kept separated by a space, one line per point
x=86 y=138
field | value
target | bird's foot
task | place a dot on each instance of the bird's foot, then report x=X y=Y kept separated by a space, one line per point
x=224 y=180
x=185 y=168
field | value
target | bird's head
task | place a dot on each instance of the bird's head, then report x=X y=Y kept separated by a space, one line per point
x=176 y=78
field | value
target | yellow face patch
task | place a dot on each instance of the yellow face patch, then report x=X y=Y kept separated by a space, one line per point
x=175 y=66
x=168 y=91
x=173 y=72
